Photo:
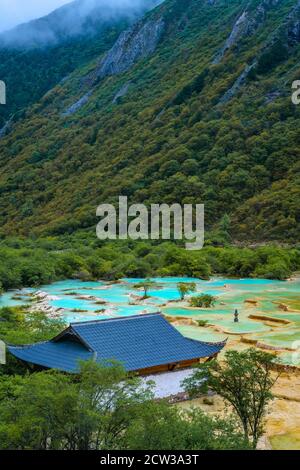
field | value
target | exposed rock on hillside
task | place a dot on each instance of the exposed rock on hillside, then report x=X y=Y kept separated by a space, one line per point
x=5 y=129
x=288 y=34
x=122 y=92
x=293 y=30
x=134 y=44
x=246 y=25
x=237 y=85
x=289 y=30
x=281 y=43
x=236 y=33
x=76 y=106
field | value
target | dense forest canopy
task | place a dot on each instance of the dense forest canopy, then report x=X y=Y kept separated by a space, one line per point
x=37 y=262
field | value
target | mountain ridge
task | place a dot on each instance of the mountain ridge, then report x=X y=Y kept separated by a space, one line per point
x=76 y=18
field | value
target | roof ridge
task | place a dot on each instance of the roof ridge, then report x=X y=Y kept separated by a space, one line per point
x=24 y=346
x=209 y=343
x=131 y=317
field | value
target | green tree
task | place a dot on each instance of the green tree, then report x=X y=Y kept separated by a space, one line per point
x=21 y=326
x=245 y=381
x=101 y=408
x=203 y=301
x=161 y=426
x=146 y=286
x=50 y=410
x=185 y=288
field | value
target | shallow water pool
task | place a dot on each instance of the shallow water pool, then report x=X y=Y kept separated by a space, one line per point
x=83 y=301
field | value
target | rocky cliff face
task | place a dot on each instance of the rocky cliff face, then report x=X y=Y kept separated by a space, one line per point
x=246 y=25
x=237 y=85
x=122 y=92
x=238 y=30
x=287 y=35
x=134 y=44
x=293 y=30
x=6 y=128
x=76 y=106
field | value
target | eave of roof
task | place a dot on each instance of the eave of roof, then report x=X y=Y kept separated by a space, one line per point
x=63 y=356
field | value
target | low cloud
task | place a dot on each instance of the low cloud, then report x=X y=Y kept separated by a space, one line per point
x=77 y=17
x=14 y=12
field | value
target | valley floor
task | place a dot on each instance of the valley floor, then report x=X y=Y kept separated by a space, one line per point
x=269 y=320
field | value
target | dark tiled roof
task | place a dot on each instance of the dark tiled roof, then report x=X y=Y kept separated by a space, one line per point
x=61 y=355
x=138 y=342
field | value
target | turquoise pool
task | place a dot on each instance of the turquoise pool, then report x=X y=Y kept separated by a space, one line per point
x=83 y=301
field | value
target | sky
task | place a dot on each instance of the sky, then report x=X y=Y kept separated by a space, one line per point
x=14 y=12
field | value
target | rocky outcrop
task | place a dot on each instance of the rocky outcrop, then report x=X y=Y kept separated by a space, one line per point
x=79 y=104
x=122 y=92
x=281 y=42
x=138 y=42
x=272 y=96
x=135 y=44
x=288 y=33
x=6 y=129
x=237 y=31
x=237 y=85
x=293 y=27
x=294 y=32
x=246 y=25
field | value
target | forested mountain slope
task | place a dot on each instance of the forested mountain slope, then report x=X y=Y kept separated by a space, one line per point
x=37 y=55
x=192 y=105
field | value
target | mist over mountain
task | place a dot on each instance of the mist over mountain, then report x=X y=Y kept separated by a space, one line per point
x=81 y=17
